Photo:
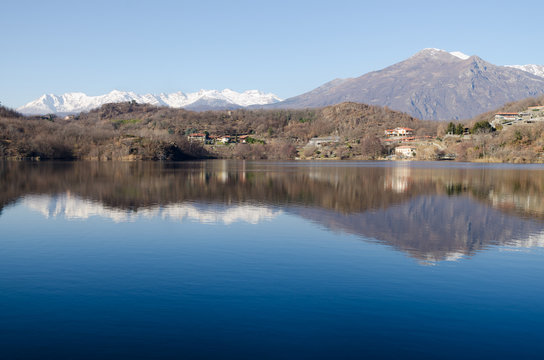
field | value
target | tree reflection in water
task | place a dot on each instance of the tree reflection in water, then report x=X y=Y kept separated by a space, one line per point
x=431 y=211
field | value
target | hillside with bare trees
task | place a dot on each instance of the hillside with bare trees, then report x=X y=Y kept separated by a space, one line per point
x=517 y=143
x=131 y=131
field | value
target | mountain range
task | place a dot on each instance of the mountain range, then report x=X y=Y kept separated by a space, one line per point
x=77 y=102
x=432 y=84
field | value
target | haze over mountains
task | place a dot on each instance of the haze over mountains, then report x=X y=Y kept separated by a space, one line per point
x=432 y=84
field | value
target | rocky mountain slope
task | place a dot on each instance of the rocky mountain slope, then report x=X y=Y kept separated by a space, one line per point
x=432 y=84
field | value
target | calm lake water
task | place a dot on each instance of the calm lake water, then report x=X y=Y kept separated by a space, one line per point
x=259 y=260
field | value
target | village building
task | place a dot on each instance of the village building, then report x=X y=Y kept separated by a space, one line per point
x=225 y=139
x=389 y=132
x=405 y=151
x=508 y=116
x=402 y=131
x=399 y=131
x=317 y=141
x=202 y=137
x=531 y=115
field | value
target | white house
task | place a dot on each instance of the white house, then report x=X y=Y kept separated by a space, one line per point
x=317 y=141
x=198 y=137
x=405 y=151
x=399 y=131
x=224 y=139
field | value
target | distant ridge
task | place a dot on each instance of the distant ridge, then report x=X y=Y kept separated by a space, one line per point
x=77 y=102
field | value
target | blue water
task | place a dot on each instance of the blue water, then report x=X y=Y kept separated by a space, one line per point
x=260 y=279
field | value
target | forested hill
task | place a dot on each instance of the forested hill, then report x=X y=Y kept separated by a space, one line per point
x=139 y=131
x=349 y=120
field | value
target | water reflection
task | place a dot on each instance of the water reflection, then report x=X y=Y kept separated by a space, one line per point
x=432 y=212
x=72 y=207
x=435 y=228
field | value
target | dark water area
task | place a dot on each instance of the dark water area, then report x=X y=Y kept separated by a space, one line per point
x=227 y=259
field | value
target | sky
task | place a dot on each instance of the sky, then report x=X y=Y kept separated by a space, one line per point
x=283 y=47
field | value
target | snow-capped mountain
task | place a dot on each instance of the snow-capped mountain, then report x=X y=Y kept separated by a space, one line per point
x=432 y=84
x=203 y=100
x=431 y=52
x=537 y=70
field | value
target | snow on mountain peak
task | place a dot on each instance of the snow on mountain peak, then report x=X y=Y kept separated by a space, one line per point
x=431 y=51
x=537 y=70
x=78 y=102
x=460 y=55
x=435 y=51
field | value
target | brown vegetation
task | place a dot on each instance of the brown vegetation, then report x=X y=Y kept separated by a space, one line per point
x=131 y=131
x=519 y=143
x=515 y=106
x=141 y=131
x=8 y=113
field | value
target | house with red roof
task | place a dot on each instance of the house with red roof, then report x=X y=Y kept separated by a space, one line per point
x=399 y=131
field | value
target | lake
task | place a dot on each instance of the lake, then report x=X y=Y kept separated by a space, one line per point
x=267 y=260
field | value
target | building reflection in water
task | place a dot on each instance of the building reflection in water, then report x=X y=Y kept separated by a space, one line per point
x=398 y=177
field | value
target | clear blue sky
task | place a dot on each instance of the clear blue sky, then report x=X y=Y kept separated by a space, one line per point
x=284 y=47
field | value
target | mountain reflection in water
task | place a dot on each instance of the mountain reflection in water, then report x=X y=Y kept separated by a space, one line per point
x=432 y=211
x=71 y=207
